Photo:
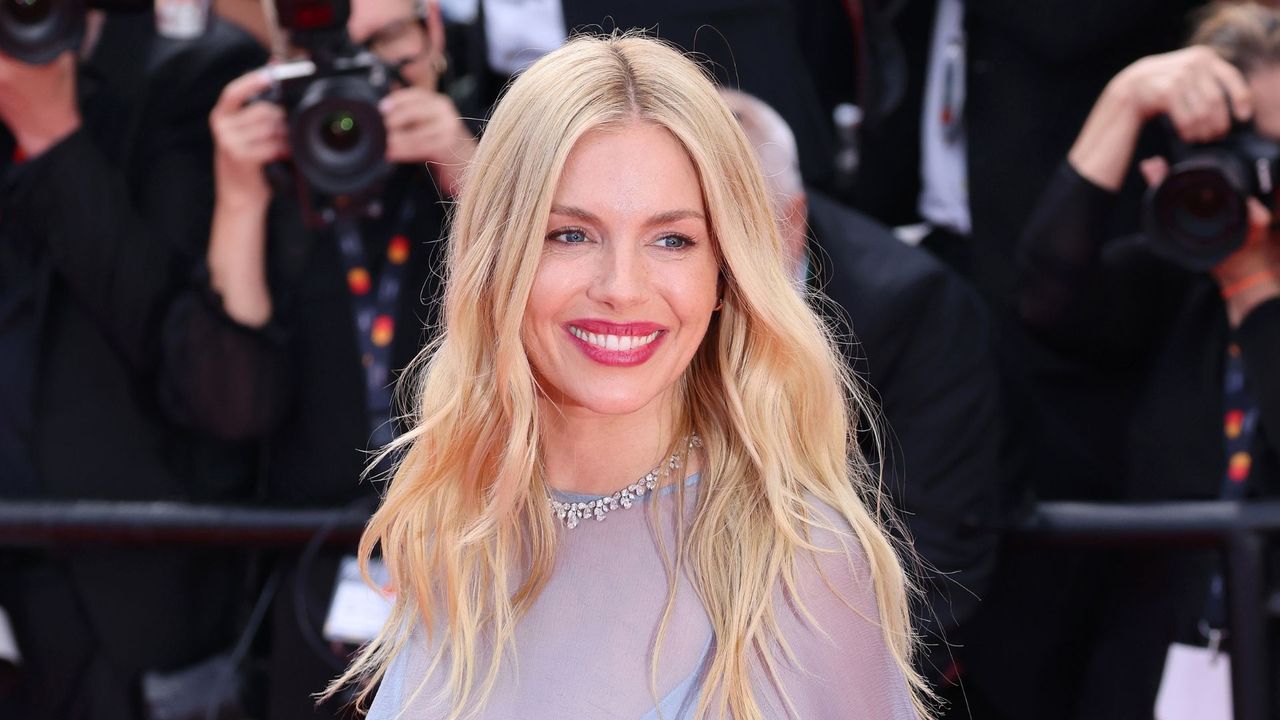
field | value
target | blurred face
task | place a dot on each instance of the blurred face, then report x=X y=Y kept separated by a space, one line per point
x=1265 y=85
x=627 y=281
x=394 y=32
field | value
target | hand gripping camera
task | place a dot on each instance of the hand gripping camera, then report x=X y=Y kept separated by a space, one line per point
x=336 y=134
x=1198 y=215
x=37 y=31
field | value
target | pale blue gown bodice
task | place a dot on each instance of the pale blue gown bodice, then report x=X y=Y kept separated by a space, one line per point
x=585 y=649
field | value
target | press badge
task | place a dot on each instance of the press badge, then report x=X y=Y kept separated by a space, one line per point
x=1196 y=685
x=8 y=643
x=357 y=612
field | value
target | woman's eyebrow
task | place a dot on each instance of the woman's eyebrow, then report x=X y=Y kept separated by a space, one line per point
x=658 y=219
x=575 y=212
x=674 y=215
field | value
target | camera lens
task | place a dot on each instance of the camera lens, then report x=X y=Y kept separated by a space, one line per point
x=1203 y=212
x=37 y=31
x=339 y=142
x=340 y=132
x=28 y=12
x=1197 y=216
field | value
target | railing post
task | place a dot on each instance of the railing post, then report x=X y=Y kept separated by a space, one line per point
x=1247 y=620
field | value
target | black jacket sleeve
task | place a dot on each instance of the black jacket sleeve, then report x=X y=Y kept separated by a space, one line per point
x=941 y=399
x=1076 y=294
x=119 y=225
x=112 y=252
x=924 y=347
x=224 y=378
x=219 y=376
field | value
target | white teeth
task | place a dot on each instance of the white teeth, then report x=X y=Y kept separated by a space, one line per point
x=614 y=342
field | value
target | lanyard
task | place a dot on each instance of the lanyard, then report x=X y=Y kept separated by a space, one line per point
x=951 y=116
x=374 y=309
x=1240 y=423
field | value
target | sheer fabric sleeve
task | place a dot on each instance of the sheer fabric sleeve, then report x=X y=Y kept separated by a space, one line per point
x=221 y=377
x=401 y=694
x=843 y=669
x=1083 y=294
x=226 y=379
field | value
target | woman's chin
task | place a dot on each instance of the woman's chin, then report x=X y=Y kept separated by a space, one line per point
x=612 y=402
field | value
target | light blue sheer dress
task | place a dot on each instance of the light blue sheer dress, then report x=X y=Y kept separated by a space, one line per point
x=585 y=648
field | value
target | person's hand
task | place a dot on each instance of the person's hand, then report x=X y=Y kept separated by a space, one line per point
x=1190 y=86
x=1251 y=274
x=423 y=126
x=1194 y=87
x=247 y=136
x=38 y=102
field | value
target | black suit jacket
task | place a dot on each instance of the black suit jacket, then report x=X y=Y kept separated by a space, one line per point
x=108 y=215
x=751 y=45
x=920 y=340
x=1033 y=72
x=115 y=212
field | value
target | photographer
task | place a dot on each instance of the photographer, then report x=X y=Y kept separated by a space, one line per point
x=295 y=338
x=104 y=193
x=1180 y=327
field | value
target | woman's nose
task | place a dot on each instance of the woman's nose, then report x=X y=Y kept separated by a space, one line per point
x=621 y=277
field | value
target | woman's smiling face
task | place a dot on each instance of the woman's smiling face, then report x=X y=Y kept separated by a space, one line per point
x=627 y=281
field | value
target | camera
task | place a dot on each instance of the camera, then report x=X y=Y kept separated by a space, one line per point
x=37 y=31
x=336 y=134
x=1199 y=214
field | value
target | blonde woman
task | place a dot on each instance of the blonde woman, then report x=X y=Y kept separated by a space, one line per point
x=631 y=491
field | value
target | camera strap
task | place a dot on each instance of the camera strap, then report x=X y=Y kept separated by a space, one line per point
x=374 y=308
x=1239 y=426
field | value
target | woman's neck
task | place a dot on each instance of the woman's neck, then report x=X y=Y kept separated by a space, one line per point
x=592 y=454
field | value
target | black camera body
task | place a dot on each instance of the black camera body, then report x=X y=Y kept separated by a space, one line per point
x=1198 y=215
x=336 y=133
x=37 y=31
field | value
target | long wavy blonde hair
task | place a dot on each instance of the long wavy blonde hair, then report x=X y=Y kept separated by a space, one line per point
x=464 y=527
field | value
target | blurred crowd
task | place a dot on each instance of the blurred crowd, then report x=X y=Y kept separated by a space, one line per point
x=1043 y=228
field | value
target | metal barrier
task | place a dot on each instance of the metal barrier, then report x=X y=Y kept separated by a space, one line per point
x=1240 y=529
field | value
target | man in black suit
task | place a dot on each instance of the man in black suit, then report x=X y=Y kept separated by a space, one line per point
x=106 y=186
x=746 y=44
x=920 y=342
x=1032 y=71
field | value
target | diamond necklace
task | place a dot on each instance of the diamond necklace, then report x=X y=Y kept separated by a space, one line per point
x=572 y=512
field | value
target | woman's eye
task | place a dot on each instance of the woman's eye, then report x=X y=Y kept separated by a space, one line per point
x=571 y=236
x=674 y=242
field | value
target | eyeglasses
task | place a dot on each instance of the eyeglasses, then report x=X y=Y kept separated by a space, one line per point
x=399 y=40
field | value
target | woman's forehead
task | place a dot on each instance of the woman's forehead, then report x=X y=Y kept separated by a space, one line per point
x=634 y=169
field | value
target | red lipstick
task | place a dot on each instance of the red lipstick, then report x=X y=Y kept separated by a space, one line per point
x=616 y=344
